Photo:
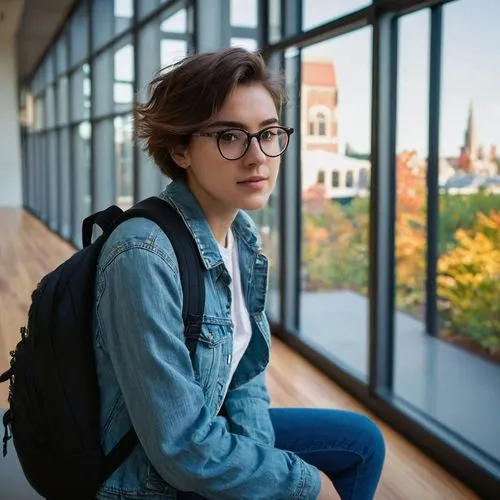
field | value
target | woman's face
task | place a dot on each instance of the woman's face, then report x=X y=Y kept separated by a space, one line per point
x=223 y=186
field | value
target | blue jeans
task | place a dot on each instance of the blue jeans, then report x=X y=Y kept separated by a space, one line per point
x=348 y=447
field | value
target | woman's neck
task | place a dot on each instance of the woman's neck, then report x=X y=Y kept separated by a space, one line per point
x=219 y=217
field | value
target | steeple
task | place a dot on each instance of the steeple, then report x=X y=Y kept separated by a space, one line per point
x=471 y=145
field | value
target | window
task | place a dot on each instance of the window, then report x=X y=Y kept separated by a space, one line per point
x=243 y=14
x=321 y=120
x=319 y=114
x=82 y=197
x=349 y=179
x=334 y=278
x=335 y=179
x=452 y=342
x=80 y=93
x=113 y=77
x=124 y=162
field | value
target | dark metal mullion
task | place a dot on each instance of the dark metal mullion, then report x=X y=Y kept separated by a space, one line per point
x=167 y=35
x=55 y=131
x=403 y=7
x=291 y=209
x=382 y=205
x=91 y=59
x=135 y=150
x=262 y=23
x=431 y=315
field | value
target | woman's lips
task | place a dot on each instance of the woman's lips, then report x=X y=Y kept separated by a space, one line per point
x=255 y=184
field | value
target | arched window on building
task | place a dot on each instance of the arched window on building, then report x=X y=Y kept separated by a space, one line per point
x=335 y=179
x=321 y=177
x=349 y=179
x=318 y=121
x=321 y=122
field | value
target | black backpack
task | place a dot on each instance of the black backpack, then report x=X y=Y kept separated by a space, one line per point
x=53 y=391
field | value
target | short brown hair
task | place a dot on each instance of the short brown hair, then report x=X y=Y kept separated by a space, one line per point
x=186 y=97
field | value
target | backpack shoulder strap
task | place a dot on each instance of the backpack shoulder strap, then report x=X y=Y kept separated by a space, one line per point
x=191 y=268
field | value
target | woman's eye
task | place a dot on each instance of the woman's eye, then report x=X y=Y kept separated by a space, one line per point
x=268 y=135
x=228 y=137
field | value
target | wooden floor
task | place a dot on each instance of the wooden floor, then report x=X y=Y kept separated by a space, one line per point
x=28 y=251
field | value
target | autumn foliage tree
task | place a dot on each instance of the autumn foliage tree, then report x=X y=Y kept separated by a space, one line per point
x=469 y=283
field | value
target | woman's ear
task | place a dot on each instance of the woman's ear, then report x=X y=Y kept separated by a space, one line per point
x=180 y=155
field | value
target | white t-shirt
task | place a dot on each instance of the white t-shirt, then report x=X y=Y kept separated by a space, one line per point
x=241 y=320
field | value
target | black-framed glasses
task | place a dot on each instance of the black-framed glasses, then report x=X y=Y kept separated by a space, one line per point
x=233 y=143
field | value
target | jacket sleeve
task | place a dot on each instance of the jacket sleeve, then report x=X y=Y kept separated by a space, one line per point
x=247 y=410
x=139 y=311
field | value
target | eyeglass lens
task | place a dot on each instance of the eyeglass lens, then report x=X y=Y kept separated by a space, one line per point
x=234 y=143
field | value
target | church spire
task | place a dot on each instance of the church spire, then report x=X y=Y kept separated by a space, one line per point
x=471 y=134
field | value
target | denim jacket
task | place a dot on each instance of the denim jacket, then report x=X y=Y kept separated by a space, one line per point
x=147 y=380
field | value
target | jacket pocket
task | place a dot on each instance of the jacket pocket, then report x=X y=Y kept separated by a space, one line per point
x=212 y=350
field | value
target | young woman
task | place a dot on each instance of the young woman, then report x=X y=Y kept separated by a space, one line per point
x=213 y=126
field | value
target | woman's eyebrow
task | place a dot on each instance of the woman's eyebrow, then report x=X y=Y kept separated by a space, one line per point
x=225 y=123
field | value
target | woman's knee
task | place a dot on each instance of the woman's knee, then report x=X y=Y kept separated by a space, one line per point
x=372 y=438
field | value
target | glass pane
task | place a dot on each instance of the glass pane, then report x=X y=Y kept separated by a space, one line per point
x=80 y=93
x=49 y=64
x=316 y=12
x=110 y=17
x=114 y=94
x=123 y=89
x=81 y=178
x=52 y=179
x=124 y=162
x=104 y=155
x=79 y=28
x=274 y=20
x=176 y=23
x=466 y=384
x=336 y=91
x=245 y=43
x=39 y=119
x=62 y=53
x=244 y=14
x=62 y=101
x=411 y=340
x=103 y=84
x=65 y=184
x=31 y=167
x=269 y=227
x=172 y=51
x=50 y=107
x=42 y=176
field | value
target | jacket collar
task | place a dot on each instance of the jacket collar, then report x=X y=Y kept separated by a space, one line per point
x=182 y=199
